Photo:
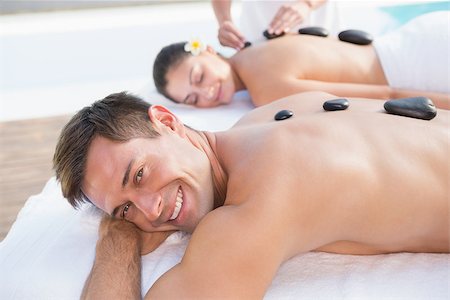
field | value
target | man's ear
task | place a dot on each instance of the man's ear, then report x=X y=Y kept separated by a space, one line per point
x=210 y=49
x=162 y=118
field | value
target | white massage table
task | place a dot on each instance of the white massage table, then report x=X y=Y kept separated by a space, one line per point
x=50 y=249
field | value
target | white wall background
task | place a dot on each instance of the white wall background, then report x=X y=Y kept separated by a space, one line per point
x=56 y=63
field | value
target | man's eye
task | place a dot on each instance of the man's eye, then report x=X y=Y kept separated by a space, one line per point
x=125 y=211
x=139 y=175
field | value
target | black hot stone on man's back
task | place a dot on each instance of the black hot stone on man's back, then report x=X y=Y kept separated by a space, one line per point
x=414 y=107
x=283 y=115
x=336 y=104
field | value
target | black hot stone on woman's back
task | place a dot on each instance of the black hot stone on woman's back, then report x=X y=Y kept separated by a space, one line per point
x=270 y=36
x=358 y=37
x=317 y=31
x=414 y=107
x=283 y=115
x=336 y=104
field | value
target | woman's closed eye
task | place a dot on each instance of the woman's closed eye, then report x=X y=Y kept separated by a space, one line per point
x=200 y=79
x=196 y=75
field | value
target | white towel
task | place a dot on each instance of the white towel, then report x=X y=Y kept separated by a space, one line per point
x=50 y=250
x=416 y=56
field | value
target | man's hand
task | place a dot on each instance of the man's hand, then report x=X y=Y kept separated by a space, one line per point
x=289 y=16
x=230 y=36
x=124 y=230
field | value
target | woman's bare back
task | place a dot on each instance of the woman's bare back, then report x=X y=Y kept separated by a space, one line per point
x=313 y=58
x=307 y=58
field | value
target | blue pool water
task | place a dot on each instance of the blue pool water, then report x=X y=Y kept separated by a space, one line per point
x=403 y=13
x=380 y=17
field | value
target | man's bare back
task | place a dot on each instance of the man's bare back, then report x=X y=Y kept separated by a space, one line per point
x=358 y=181
x=362 y=180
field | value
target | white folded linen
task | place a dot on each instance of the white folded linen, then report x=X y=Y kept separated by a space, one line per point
x=416 y=56
x=51 y=247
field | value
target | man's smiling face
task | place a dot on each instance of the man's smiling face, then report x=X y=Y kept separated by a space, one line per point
x=159 y=184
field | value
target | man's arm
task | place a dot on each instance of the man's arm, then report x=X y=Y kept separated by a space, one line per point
x=230 y=256
x=233 y=254
x=116 y=273
x=221 y=261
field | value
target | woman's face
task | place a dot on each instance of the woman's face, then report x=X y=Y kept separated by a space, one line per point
x=205 y=80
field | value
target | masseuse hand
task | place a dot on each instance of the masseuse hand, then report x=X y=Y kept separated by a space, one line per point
x=230 y=36
x=289 y=16
x=123 y=231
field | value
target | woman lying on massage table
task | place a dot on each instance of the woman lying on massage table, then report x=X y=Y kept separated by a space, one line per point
x=412 y=61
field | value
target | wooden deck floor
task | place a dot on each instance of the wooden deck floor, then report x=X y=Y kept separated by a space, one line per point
x=26 y=152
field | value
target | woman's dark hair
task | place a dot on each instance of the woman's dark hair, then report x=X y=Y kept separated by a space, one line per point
x=168 y=57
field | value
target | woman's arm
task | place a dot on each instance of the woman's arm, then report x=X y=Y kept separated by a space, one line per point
x=440 y=100
x=287 y=86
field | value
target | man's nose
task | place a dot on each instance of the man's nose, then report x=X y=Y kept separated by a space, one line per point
x=150 y=206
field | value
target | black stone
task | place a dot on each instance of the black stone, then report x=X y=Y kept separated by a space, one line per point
x=283 y=115
x=247 y=44
x=336 y=104
x=354 y=36
x=317 y=31
x=271 y=36
x=414 y=107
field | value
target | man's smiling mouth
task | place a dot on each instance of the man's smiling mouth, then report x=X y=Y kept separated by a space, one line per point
x=178 y=205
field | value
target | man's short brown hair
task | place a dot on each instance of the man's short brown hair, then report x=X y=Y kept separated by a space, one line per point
x=118 y=117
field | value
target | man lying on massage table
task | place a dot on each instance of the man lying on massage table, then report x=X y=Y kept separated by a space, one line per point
x=410 y=61
x=358 y=181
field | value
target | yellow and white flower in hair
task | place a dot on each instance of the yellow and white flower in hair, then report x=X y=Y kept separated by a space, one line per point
x=195 y=46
